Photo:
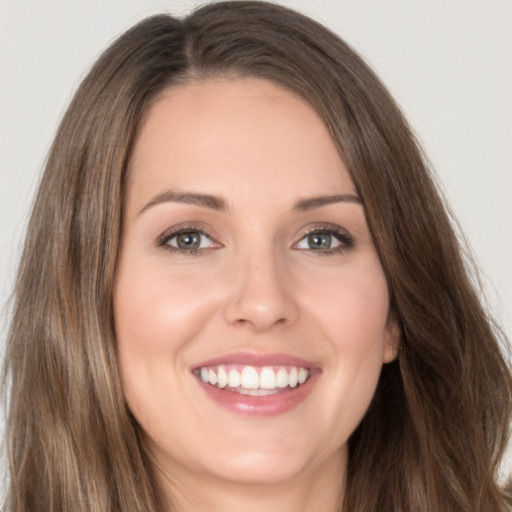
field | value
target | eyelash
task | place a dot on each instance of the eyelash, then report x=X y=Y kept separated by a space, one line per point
x=343 y=237
x=164 y=238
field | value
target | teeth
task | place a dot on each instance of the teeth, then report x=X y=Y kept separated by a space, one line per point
x=267 y=378
x=212 y=377
x=233 y=379
x=282 y=378
x=303 y=376
x=257 y=392
x=250 y=378
x=254 y=381
x=292 y=377
x=222 y=378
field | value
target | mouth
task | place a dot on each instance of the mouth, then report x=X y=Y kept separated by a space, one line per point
x=253 y=380
x=257 y=385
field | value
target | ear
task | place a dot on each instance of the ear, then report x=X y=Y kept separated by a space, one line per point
x=391 y=340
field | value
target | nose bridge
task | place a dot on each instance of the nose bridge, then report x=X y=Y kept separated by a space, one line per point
x=261 y=295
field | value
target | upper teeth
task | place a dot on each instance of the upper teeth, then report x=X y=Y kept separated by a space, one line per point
x=251 y=377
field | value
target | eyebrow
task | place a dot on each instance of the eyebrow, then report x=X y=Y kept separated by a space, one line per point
x=220 y=204
x=317 y=202
x=171 y=196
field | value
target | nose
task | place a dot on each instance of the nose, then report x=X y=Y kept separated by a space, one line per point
x=262 y=294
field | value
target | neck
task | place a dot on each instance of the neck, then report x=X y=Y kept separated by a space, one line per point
x=321 y=489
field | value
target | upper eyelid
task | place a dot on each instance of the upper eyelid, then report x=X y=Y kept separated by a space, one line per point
x=183 y=228
x=321 y=227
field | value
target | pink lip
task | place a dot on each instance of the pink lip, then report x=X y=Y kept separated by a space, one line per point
x=250 y=359
x=259 y=406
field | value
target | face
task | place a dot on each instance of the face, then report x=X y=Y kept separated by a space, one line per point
x=251 y=308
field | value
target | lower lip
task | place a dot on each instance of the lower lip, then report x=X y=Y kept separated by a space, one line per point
x=268 y=405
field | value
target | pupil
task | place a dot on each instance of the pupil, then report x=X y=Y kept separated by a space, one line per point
x=188 y=240
x=319 y=241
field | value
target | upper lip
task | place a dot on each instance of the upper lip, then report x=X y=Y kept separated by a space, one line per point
x=254 y=359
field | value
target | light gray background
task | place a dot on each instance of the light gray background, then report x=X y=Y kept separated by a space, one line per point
x=448 y=63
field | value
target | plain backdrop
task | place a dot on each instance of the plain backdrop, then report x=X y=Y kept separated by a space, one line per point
x=447 y=62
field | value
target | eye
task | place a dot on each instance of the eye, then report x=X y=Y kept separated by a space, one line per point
x=191 y=241
x=318 y=242
x=327 y=241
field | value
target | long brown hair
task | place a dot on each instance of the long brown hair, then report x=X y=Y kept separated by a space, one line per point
x=436 y=431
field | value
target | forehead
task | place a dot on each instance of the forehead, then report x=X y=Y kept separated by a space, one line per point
x=243 y=137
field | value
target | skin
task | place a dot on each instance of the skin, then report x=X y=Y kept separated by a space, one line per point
x=256 y=286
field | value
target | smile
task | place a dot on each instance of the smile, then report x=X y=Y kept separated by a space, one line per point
x=257 y=385
x=253 y=380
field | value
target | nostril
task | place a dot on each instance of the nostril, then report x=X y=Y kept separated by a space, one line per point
x=243 y=321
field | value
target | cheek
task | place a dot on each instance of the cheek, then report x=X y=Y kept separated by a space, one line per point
x=157 y=311
x=352 y=309
x=352 y=316
x=156 y=317
x=157 y=314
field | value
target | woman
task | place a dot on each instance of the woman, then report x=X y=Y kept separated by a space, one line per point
x=240 y=287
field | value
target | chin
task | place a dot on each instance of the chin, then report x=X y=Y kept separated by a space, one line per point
x=259 y=469
x=273 y=463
